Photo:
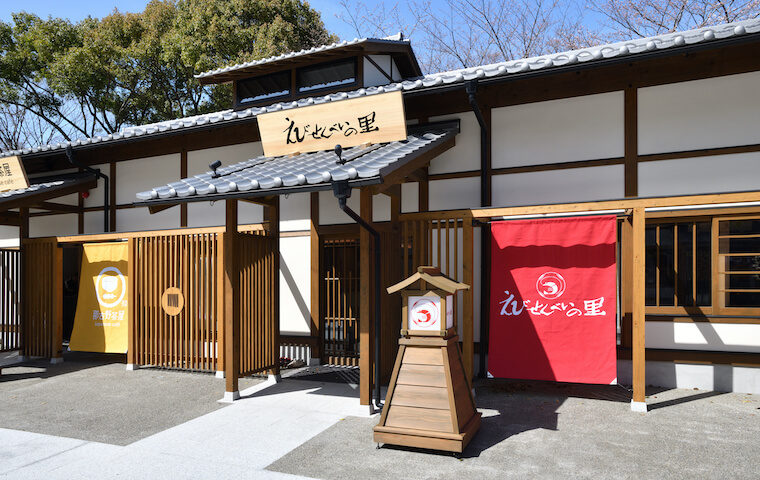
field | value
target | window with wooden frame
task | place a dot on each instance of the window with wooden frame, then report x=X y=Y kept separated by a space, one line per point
x=737 y=279
x=679 y=267
x=703 y=266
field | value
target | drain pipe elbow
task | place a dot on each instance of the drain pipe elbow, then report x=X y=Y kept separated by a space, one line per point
x=99 y=174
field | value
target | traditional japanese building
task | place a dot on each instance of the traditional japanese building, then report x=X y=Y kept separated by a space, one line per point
x=662 y=133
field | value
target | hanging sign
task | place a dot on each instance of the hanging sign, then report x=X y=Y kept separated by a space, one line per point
x=348 y=123
x=553 y=300
x=101 y=321
x=12 y=174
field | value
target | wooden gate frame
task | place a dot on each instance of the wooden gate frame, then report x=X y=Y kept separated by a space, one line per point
x=633 y=256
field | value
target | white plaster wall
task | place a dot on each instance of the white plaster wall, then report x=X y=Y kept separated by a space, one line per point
x=381 y=208
x=709 y=113
x=410 y=197
x=571 y=129
x=295 y=212
x=330 y=213
x=722 y=378
x=203 y=214
x=9 y=237
x=373 y=77
x=455 y=193
x=465 y=155
x=717 y=337
x=140 y=219
x=295 y=285
x=135 y=176
x=559 y=186
x=722 y=173
x=54 y=225
x=72 y=199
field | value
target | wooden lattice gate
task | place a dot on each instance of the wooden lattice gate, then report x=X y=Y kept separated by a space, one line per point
x=42 y=298
x=10 y=296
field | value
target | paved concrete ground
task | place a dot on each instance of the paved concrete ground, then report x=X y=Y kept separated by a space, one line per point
x=317 y=429
x=92 y=397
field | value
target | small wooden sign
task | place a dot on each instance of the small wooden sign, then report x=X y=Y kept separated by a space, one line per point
x=12 y=174
x=348 y=123
x=172 y=301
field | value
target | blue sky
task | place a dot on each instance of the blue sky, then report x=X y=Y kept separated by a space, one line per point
x=79 y=9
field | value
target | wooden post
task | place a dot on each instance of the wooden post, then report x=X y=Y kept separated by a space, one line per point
x=56 y=337
x=631 y=140
x=626 y=281
x=231 y=301
x=316 y=278
x=274 y=230
x=468 y=348
x=366 y=323
x=131 y=304
x=638 y=404
x=183 y=174
x=112 y=198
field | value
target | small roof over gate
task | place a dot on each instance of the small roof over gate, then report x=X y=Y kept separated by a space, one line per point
x=305 y=172
x=42 y=189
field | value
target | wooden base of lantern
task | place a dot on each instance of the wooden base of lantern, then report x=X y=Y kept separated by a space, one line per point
x=429 y=402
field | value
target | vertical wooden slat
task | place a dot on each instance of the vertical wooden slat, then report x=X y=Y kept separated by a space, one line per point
x=638 y=297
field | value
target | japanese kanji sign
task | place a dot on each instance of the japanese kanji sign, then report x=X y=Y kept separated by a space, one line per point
x=371 y=119
x=101 y=323
x=553 y=300
x=12 y=174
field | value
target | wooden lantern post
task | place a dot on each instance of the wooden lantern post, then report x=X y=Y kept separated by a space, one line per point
x=429 y=402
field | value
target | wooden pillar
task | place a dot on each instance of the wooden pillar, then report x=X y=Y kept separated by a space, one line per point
x=424 y=194
x=316 y=278
x=56 y=337
x=274 y=230
x=366 y=322
x=131 y=296
x=112 y=198
x=638 y=403
x=231 y=301
x=626 y=281
x=23 y=233
x=631 y=139
x=183 y=174
x=468 y=346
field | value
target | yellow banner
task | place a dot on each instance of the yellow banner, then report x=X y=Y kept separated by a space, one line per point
x=101 y=321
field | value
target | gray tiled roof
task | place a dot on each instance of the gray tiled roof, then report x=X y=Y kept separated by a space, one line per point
x=396 y=39
x=527 y=66
x=306 y=170
x=46 y=186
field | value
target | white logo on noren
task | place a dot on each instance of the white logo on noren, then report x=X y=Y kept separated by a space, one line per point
x=551 y=285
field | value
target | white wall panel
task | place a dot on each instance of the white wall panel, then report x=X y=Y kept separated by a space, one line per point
x=465 y=155
x=455 y=193
x=199 y=160
x=135 y=176
x=8 y=236
x=295 y=285
x=719 y=337
x=381 y=208
x=571 y=129
x=722 y=173
x=55 y=225
x=204 y=214
x=330 y=213
x=559 y=186
x=140 y=219
x=709 y=113
x=410 y=197
x=296 y=211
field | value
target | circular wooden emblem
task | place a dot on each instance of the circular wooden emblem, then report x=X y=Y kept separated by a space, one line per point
x=172 y=301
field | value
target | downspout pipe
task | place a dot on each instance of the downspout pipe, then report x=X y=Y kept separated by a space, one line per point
x=342 y=192
x=471 y=88
x=107 y=202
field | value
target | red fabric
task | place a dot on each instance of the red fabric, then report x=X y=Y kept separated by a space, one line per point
x=547 y=322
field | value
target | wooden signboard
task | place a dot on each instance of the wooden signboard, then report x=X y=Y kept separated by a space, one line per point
x=348 y=123
x=12 y=174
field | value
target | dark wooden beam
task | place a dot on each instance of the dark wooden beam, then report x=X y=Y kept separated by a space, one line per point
x=160 y=208
x=58 y=207
x=393 y=192
x=631 y=175
x=401 y=172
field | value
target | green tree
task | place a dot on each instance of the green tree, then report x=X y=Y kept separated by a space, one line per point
x=99 y=75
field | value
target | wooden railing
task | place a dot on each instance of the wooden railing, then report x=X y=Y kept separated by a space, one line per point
x=10 y=292
x=444 y=240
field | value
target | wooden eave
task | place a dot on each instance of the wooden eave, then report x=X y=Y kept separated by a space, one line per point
x=39 y=198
